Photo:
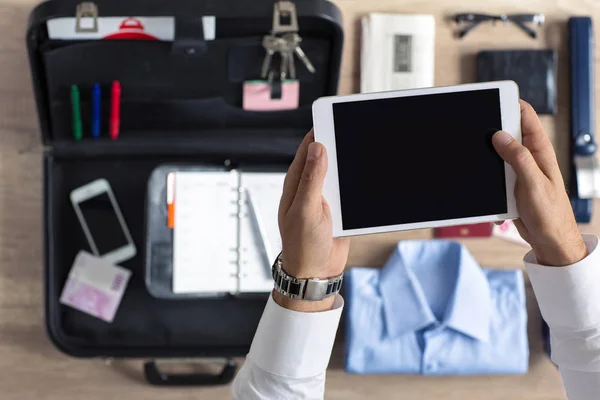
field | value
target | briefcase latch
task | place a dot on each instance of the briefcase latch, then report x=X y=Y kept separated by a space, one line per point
x=285 y=18
x=86 y=13
x=587 y=170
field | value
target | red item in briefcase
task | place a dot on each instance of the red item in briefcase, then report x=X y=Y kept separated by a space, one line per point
x=131 y=28
x=475 y=230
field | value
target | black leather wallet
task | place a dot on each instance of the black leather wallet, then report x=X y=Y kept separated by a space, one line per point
x=533 y=70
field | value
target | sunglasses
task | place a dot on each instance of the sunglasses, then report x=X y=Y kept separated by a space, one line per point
x=469 y=21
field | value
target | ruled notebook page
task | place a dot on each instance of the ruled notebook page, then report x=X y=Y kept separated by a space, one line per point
x=205 y=238
x=260 y=240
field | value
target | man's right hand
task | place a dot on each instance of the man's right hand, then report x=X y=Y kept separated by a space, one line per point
x=546 y=221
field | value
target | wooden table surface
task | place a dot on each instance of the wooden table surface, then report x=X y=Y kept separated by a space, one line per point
x=33 y=369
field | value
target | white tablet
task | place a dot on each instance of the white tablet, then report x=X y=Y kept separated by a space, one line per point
x=419 y=158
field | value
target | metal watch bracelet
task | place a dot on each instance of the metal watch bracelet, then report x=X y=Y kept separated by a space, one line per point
x=310 y=289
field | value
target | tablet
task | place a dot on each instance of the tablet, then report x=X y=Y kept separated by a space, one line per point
x=418 y=158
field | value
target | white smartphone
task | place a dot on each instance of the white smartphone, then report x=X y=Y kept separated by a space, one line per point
x=102 y=222
x=419 y=158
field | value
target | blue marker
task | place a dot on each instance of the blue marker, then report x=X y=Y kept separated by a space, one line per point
x=96 y=98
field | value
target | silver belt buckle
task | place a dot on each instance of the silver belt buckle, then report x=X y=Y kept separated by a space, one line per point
x=588 y=177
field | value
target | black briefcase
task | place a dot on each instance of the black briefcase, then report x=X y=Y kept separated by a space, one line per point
x=181 y=102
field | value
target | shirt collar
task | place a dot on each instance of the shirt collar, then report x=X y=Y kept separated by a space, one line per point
x=405 y=306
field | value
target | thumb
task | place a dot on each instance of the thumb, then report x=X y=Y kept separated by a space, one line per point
x=517 y=156
x=310 y=188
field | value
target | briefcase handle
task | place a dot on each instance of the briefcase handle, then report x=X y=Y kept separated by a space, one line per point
x=155 y=377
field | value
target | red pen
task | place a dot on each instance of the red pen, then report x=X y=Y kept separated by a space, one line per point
x=115 y=110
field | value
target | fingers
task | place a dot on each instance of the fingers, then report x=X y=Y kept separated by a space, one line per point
x=310 y=188
x=518 y=157
x=292 y=178
x=538 y=143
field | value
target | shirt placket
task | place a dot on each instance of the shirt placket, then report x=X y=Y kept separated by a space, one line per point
x=432 y=343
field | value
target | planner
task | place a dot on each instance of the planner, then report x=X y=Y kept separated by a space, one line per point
x=226 y=232
x=204 y=238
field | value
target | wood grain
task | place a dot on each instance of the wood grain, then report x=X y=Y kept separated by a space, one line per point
x=33 y=369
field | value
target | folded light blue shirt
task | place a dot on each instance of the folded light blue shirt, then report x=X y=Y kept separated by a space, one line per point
x=433 y=310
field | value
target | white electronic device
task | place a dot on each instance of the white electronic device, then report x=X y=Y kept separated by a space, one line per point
x=397 y=52
x=102 y=222
x=419 y=158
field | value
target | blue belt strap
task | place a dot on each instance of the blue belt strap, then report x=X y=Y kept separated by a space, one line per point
x=581 y=50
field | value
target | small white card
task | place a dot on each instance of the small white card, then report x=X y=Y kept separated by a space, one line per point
x=508 y=231
x=95 y=286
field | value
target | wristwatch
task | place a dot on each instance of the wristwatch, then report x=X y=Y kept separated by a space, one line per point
x=311 y=289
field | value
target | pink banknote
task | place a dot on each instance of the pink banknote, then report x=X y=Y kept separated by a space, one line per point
x=95 y=286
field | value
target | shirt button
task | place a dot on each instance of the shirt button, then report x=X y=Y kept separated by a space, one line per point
x=433 y=366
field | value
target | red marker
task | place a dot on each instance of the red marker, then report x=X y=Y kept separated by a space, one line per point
x=115 y=110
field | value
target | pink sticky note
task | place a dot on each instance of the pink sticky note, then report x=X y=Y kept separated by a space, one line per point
x=257 y=96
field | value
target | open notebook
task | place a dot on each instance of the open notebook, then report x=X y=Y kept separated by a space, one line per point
x=226 y=233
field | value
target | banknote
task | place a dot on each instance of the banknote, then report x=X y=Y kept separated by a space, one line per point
x=95 y=286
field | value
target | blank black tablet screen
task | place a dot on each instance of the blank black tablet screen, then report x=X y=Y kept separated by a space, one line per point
x=417 y=159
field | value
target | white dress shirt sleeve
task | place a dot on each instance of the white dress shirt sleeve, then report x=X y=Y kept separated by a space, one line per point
x=569 y=299
x=289 y=354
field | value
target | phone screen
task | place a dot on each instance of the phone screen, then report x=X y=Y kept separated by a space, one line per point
x=103 y=223
x=420 y=158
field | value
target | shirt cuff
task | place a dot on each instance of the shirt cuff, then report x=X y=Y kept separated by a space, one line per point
x=295 y=344
x=569 y=297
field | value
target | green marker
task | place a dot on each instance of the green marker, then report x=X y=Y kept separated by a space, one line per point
x=76 y=106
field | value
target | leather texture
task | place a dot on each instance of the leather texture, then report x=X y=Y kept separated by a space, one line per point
x=533 y=70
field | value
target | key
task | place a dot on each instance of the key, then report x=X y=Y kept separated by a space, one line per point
x=293 y=42
x=285 y=61
x=302 y=56
x=274 y=44
x=291 y=61
x=270 y=44
x=289 y=43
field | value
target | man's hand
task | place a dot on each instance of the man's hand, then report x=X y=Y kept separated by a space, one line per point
x=309 y=250
x=546 y=219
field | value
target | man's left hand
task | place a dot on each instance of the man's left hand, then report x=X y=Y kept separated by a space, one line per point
x=309 y=250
